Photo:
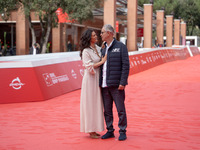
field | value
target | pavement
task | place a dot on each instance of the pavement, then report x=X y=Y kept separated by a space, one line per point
x=162 y=106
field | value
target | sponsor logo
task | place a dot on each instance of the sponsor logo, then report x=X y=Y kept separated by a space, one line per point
x=51 y=78
x=162 y=56
x=131 y=64
x=16 y=84
x=150 y=59
x=147 y=59
x=135 y=63
x=156 y=57
x=143 y=62
x=116 y=50
x=74 y=75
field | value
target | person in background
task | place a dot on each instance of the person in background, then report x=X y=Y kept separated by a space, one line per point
x=69 y=46
x=0 y=48
x=34 y=49
x=113 y=79
x=4 y=51
x=91 y=104
x=0 y=44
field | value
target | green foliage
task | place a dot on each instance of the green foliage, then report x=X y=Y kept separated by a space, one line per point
x=48 y=47
x=79 y=10
x=169 y=6
x=5 y=7
x=187 y=10
x=8 y=4
x=141 y=2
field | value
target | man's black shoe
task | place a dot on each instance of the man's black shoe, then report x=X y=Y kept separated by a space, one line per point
x=122 y=137
x=108 y=135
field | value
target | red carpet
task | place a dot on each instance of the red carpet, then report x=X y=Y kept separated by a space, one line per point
x=163 y=108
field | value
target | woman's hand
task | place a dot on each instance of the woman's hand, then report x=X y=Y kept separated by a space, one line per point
x=100 y=62
x=104 y=59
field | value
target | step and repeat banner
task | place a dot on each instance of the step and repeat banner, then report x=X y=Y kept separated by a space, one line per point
x=27 y=79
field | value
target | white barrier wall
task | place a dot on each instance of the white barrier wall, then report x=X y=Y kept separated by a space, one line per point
x=44 y=76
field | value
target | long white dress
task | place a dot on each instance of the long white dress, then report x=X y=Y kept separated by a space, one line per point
x=91 y=103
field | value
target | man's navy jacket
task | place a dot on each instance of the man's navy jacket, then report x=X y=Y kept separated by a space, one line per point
x=117 y=65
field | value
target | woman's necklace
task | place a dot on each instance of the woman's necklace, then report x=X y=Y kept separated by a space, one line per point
x=95 y=51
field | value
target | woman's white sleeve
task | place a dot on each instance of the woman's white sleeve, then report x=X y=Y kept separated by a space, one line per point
x=87 y=62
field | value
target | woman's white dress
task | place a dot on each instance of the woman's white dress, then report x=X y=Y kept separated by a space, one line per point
x=91 y=104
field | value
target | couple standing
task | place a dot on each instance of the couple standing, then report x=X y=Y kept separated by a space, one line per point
x=105 y=77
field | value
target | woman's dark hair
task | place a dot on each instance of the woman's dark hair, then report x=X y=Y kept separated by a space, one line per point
x=85 y=40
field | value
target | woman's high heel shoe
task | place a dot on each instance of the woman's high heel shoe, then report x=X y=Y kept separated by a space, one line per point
x=97 y=134
x=94 y=135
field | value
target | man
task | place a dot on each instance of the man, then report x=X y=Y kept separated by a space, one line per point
x=113 y=79
x=34 y=49
x=0 y=45
x=69 y=46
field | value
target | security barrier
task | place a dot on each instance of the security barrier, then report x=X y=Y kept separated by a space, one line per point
x=154 y=57
x=41 y=77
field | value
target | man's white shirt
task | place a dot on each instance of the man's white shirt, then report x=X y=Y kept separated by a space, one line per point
x=34 y=50
x=105 y=66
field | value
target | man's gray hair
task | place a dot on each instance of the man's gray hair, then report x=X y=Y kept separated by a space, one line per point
x=108 y=27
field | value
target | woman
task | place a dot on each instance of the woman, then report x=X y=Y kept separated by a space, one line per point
x=91 y=104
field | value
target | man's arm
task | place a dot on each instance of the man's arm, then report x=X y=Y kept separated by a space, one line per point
x=125 y=67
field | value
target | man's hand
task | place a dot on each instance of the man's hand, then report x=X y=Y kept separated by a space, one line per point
x=121 y=87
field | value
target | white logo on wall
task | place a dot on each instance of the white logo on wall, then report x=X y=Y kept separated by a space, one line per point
x=147 y=59
x=135 y=63
x=143 y=62
x=16 y=84
x=131 y=65
x=51 y=78
x=74 y=75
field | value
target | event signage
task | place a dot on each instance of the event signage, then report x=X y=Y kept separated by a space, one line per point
x=74 y=75
x=51 y=78
x=45 y=81
x=16 y=84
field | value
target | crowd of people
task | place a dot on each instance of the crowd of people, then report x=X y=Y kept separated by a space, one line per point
x=6 y=50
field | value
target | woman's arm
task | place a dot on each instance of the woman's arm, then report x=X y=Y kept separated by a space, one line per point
x=96 y=65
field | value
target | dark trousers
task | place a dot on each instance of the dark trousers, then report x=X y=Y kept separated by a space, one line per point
x=111 y=94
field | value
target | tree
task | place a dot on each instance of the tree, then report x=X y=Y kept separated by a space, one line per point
x=189 y=11
x=5 y=7
x=79 y=10
x=168 y=5
x=141 y=2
